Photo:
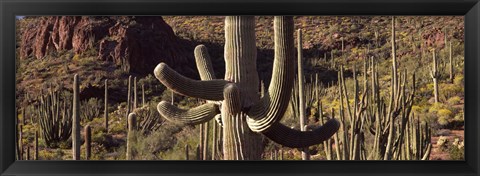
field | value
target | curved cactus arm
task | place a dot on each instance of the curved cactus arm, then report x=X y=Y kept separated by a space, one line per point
x=204 y=63
x=288 y=137
x=209 y=90
x=194 y=116
x=272 y=106
x=232 y=103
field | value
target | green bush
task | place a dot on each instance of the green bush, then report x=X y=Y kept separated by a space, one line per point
x=90 y=109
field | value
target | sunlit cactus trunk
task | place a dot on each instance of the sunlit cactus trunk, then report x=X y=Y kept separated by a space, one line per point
x=240 y=143
x=245 y=116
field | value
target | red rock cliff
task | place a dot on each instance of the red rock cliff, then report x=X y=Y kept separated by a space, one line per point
x=137 y=44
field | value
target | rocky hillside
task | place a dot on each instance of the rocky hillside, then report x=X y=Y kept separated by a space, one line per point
x=135 y=43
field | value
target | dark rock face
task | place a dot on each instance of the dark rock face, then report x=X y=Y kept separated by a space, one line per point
x=137 y=44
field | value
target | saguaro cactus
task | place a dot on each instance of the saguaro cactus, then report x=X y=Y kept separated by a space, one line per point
x=36 y=145
x=305 y=155
x=129 y=98
x=76 y=119
x=20 y=141
x=244 y=114
x=435 y=75
x=135 y=98
x=88 y=142
x=132 y=121
x=450 y=59
x=106 y=106
x=186 y=152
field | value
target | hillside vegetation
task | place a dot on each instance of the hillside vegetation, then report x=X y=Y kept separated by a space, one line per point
x=346 y=45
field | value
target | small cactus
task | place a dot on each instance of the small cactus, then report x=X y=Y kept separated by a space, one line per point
x=36 y=145
x=132 y=121
x=88 y=142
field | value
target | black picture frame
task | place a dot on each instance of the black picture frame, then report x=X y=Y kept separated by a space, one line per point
x=9 y=9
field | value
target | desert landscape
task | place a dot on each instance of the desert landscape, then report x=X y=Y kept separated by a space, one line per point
x=240 y=88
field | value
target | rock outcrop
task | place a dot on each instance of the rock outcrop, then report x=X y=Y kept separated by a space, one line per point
x=137 y=44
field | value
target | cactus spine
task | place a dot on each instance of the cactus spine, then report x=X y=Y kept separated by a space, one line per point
x=76 y=119
x=244 y=113
x=106 y=106
x=88 y=142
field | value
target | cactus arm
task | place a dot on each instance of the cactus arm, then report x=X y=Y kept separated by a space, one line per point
x=231 y=103
x=272 y=106
x=288 y=137
x=194 y=116
x=204 y=63
x=209 y=89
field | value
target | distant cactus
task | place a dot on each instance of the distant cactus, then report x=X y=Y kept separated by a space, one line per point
x=198 y=152
x=244 y=114
x=20 y=141
x=435 y=76
x=76 y=119
x=106 y=106
x=54 y=116
x=129 y=98
x=450 y=59
x=135 y=98
x=301 y=90
x=132 y=125
x=186 y=152
x=88 y=142
x=36 y=145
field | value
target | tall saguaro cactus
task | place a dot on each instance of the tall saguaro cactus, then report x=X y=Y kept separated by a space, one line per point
x=106 y=106
x=76 y=119
x=301 y=89
x=435 y=75
x=244 y=114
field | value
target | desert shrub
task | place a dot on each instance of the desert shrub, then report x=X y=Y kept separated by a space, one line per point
x=118 y=126
x=149 y=119
x=149 y=147
x=444 y=116
x=454 y=100
x=450 y=90
x=458 y=80
x=56 y=154
x=459 y=117
x=457 y=150
x=90 y=109
x=106 y=141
